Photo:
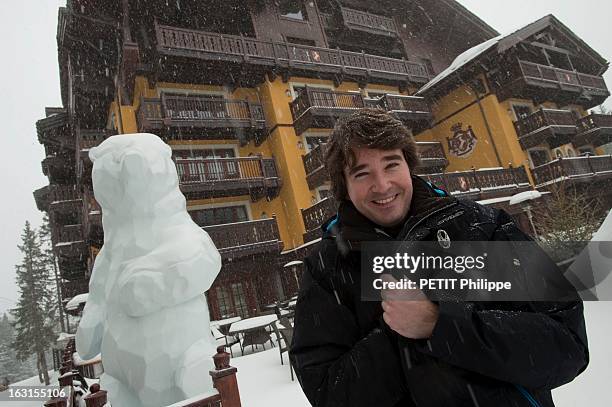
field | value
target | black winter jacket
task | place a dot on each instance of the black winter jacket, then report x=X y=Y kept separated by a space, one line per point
x=480 y=353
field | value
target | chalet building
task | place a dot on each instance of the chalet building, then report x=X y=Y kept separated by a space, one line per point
x=246 y=93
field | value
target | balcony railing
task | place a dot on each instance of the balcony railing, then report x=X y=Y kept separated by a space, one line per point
x=324 y=98
x=316 y=215
x=372 y=23
x=70 y=233
x=523 y=79
x=59 y=193
x=320 y=108
x=475 y=183
x=431 y=154
x=238 y=175
x=245 y=238
x=594 y=129
x=563 y=77
x=199 y=112
x=585 y=169
x=546 y=125
x=215 y=47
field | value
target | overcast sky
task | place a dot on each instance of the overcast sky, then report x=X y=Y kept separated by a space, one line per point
x=30 y=81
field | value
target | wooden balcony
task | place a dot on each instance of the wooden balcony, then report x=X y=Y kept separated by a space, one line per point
x=60 y=198
x=250 y=238
x=320 y=108
x=577 y=170
x=86 y=139
x=71 y=251
x=174 y=115
x=224 y=54
x=314 y=165
x=594 y=129
x=56 y=131
x=221 y=177
x=433 y=160
x=59 y=168
x=92 y=220
x=555 y=127
x=539 y=82
x=368 y=22
x=413 y=111
x=316 y=215
x=482 y=184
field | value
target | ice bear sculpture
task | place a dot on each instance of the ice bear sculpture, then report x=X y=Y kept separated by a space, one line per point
x=146 y=312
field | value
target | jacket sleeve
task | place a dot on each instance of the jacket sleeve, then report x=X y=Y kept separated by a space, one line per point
x=533 y=344
x=334 y=364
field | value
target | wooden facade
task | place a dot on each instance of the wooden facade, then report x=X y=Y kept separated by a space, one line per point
x=239 y=91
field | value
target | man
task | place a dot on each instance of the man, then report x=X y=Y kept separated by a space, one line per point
x=349 y=352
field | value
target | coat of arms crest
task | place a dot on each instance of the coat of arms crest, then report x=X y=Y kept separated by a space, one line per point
x=462 y=143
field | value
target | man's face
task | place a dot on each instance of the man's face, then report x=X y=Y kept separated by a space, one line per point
x=379 y=185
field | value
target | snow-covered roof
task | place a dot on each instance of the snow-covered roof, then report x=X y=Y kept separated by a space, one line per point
x=76 y=301
x=461 y=61
x=507 y=41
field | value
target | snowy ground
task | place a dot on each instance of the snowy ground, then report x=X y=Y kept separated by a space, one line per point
x=264 y=382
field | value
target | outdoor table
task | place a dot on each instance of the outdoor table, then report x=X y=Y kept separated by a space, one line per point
x=253 y=330
x=224 y=324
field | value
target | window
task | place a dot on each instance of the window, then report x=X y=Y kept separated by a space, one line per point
x=225 y=303
x=216 y=216
x=292 y=9
x=240 y=305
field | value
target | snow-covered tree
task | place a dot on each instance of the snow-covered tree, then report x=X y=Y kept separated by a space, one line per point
x=34 y=313
x=567 y=221
x=44 y=234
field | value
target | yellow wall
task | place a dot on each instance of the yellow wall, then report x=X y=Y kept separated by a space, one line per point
x=497 y=144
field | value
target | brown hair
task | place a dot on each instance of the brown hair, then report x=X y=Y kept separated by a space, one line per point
x=369 y=128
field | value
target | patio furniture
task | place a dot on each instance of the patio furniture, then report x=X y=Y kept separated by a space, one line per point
x=224 y=324
x=253 y=331
x=284 y=334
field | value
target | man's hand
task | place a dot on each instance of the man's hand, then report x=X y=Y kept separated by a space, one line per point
x=408 y=312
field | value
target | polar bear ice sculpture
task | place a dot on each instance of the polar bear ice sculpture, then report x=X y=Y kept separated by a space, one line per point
x=146 y=312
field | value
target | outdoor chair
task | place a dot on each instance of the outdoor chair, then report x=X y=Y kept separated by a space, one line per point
x=284 y=335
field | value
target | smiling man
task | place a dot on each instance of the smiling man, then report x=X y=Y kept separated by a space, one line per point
x=349 y=352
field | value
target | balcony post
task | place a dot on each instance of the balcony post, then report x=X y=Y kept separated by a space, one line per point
x=224 y=379
x=476 y=182
x=590 y=164
x=513 y=173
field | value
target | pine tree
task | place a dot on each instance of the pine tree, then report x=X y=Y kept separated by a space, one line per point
x=34 y=312
x=44 y=234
